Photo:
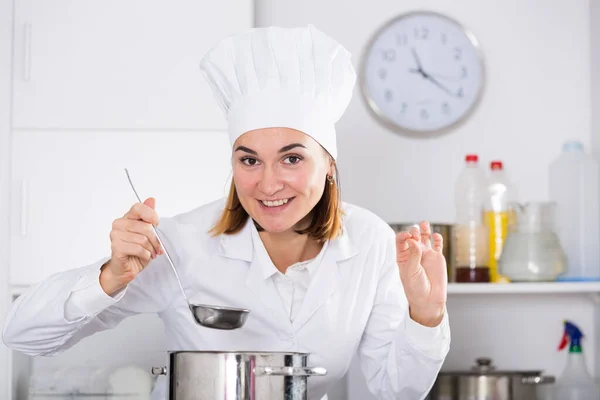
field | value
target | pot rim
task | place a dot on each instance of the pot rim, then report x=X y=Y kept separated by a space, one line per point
x=259 y=353
x=491 y=373
x=439 y=224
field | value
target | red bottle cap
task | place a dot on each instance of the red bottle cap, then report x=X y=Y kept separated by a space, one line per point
x=471 y=158
x=495 y=165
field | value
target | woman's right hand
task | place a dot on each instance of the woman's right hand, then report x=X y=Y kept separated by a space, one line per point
x=133 y=246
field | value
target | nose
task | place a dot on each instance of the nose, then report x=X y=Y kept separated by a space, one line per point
x=270 y=183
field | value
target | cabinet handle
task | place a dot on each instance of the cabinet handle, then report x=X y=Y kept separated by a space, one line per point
x=24 y=207
x=27 y=52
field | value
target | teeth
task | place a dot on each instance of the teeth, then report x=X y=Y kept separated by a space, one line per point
x=275 y=203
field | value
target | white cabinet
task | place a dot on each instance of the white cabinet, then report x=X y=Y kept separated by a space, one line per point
x=118 y=64
x=69 y=187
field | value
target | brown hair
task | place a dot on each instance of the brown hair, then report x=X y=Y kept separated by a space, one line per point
x=326 y=221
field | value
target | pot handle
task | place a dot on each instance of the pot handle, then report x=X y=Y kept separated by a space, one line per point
x=289 y=371
x=159 y=370
x=537 y=380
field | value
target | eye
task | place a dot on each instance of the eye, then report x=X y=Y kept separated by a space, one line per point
x=248 y=160
x=293 y=159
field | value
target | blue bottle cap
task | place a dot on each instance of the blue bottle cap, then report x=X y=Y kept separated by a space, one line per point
x=573 y=145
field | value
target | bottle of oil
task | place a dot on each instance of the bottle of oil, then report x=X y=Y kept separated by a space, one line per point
x=497 y=215
x=470 y=238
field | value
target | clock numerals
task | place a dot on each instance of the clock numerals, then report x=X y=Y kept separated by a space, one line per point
x=403 y=107
x=389 y=55
x=422 y=33
x=401 y=39
x=434 y=63
x=388 y=96
x=457 y=53
x=446 y=108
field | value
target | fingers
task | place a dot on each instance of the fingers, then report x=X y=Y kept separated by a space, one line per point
x=438 y=242
x=123 y=226
x=134 y=250
x=409 y=260
x=401 y=244
x=140 y=240
x=408 y=244
x=143 y=212
x=150 y=202
x=425 y=233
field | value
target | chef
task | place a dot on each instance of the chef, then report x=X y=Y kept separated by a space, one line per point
x=317 y=274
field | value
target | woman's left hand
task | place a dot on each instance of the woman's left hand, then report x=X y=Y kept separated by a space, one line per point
x=423 y=272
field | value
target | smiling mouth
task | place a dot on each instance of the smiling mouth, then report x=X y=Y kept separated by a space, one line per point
x=276 y=203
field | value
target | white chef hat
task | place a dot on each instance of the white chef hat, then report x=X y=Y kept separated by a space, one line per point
x=282 y=77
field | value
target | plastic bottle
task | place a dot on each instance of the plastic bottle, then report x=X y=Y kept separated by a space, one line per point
x=500 y=193
x=575 y=382
x=574 y=184
x=470 y=245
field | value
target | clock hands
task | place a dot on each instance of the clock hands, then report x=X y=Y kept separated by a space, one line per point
x=436 y=83
x=440 y=76
x=420 y=69
x=427 y=76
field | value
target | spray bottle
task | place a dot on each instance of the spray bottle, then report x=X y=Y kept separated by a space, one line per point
x=575 y=382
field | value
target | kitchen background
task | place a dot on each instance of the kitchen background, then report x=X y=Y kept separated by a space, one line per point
x=74 y=104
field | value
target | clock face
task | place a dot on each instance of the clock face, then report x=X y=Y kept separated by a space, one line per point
x=422 y=73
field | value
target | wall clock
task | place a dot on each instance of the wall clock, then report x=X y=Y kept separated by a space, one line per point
x=422 y=73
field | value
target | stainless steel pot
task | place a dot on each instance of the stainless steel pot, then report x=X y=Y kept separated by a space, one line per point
x=484 y=382
x=205 y=375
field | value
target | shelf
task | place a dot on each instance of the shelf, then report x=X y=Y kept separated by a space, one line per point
x=525 y=288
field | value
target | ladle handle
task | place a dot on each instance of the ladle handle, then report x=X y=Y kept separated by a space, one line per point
x=159 y=240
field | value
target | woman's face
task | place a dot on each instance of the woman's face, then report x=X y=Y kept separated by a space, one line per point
x=279 y=175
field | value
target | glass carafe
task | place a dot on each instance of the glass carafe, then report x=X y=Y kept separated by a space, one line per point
x=532 y=250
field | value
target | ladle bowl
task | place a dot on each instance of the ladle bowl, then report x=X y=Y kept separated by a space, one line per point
x=219 y=317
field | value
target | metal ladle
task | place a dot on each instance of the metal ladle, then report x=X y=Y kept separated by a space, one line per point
x=216 y=317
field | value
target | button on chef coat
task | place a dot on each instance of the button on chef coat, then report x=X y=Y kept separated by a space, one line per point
x=354 y=303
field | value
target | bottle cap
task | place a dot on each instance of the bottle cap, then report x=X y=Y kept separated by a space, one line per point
x=573 y=145
x=496 y=165
x=471 y=158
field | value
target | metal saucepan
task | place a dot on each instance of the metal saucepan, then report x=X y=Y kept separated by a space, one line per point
x=206 y=375
x=484 y=382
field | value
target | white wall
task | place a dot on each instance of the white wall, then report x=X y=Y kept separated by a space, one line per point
x=537 y=95
x=595 y=78
x=537 y=55
x=5 y=90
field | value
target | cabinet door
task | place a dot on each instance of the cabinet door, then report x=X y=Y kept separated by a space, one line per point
x=122 y=64
x=69 y=187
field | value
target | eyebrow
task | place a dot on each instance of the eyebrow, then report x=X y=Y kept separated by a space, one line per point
x=282 y=150
x=290 y=146
x=247 y=150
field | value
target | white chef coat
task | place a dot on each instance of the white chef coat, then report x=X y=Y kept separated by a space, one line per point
x=353 y=301
x=293 y=284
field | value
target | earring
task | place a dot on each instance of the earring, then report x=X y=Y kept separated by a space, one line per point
x=330 y=179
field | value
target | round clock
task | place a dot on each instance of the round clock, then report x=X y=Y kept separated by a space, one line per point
x=422 y=73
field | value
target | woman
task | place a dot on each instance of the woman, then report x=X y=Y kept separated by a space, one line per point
x=318 y=275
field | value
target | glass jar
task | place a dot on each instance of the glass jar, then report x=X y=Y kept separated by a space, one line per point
x=532 y=250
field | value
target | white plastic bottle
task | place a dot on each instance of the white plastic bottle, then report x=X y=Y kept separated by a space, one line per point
x=470 y=247
x=575 y=382
x=574 y=183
